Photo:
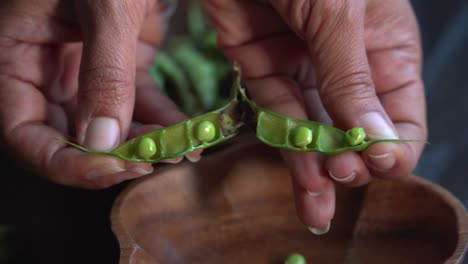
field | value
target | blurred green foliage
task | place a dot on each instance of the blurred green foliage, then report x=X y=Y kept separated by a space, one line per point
x=191 y=69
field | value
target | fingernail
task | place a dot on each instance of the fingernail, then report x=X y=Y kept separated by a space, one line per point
x=104 y=171
x=383 y=162
x=194 y=159
x=141 y=171
x=320 y=230
x=173 y=160
x=102 y=134
x=346 y=179
x=377 y=127
x=313 y=194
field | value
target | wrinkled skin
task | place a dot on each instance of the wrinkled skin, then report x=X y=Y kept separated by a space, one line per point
x=335 y=62
x=78 y=69
x=46 y=94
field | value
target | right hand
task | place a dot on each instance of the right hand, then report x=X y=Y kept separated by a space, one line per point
x=347 y=63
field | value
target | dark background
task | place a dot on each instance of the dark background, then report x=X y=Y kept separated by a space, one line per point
x=56 y=224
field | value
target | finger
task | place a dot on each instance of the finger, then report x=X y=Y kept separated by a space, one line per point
x=400 y=90
x=348 y=168
x=107 y=74
x=399 y=160
x=241 y=22
x=345 y=168
x=23 y=118
x=337 y=47
x=38 y=22
x=311 y=209
x=154 y=26
x=277 y=94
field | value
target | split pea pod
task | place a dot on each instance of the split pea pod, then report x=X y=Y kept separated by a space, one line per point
x=177 y=140
x=282 y=131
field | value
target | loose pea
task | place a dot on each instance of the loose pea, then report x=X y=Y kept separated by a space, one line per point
x=295 y=258
x=355 y=136
x=206 y=131
x=146 y=148
x=302 y=137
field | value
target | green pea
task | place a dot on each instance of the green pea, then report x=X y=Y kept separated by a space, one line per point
x=302 y=136
x=146 y=148
x=295 y=258
x=355 y=136
x=179 y=139
x=224 y=123
x=206 y=131
x=273 y=129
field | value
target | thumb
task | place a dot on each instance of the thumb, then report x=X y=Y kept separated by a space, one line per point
x=107 y=75
x=334 y=33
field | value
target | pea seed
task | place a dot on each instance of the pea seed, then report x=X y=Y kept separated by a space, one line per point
x=295 y=258
x=206 y=131
x=271 y=128
x=302 y=136
x=355 y=136
x=146 y=148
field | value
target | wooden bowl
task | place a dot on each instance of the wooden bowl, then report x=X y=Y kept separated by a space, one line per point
x=236 y=206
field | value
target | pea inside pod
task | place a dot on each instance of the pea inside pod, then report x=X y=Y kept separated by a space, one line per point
x=355 y=136
x=146 y=148
x=206 y=131
x=217 y=126
x=282 y=131
x=302 y=136
x=177 y=140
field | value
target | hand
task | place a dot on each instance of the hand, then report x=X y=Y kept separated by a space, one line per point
x=347 y=63
x=46 y=94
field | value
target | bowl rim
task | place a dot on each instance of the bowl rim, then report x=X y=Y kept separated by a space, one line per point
x=129 y=248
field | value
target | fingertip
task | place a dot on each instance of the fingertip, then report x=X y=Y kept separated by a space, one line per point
x=102 y=134
x=389 y=160
x=194 y=156
x=172 y=160
x=348 y=169
x=315 y=211
x=346 y=179
x=142 y=168
x=320 y=230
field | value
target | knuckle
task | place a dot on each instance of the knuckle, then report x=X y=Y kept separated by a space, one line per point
x=106 y=86
x=300 y=15
x=310 y=18
x=356 y=86
x=333 y=9
x=126 y=12
x=307 y=16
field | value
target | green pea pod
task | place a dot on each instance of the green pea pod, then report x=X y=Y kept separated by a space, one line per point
x=200 y=71
x=282 y=131
x=177 y=140
x=197 y=22
x=166 y=66
x=158 y=77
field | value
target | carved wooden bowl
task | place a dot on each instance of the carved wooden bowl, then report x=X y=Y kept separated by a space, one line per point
x=236 y=206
